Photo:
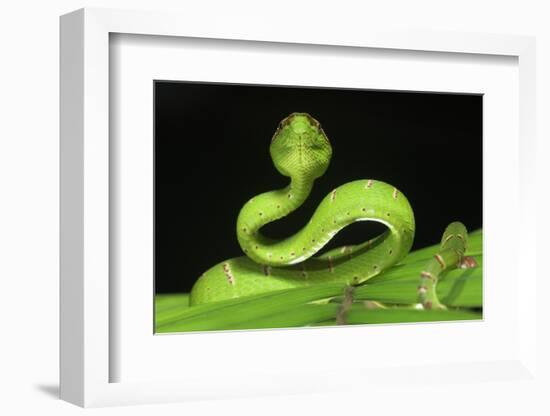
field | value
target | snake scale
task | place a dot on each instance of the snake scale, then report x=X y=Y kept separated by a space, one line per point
x=301 y=151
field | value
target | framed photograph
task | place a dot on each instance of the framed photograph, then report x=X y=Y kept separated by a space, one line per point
x=316 y=247
x=242 y=214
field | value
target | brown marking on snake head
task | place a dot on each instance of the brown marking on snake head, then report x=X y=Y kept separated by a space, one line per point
x=395 y=193
x=440 y=260
x=333 y=196
x=369 y=183
x=284 y=122
x=228 y=274
x=428 y=304
x=422 y=290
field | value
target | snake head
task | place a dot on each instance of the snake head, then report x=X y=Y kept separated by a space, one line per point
x=300 y=147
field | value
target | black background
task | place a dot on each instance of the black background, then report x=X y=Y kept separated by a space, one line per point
x=212 y=155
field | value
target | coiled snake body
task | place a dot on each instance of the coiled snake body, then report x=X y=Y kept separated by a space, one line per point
x=301 y=151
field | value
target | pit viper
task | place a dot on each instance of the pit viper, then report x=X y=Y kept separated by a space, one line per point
x=301 y=151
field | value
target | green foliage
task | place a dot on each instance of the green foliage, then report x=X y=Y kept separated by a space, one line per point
x=387 y=298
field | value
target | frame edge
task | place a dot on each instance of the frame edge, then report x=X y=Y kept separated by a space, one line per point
x=71 y=201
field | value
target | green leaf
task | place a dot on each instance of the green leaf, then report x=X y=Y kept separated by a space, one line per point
x=361 y=315
x=166 y=302
x=458 y=287
x=226 y=314
x=308 y=306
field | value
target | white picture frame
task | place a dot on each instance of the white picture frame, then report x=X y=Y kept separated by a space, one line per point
x=87 y=301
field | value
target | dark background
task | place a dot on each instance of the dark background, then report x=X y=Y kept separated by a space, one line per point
x=212 y=155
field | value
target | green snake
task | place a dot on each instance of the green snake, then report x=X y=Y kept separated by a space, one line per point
x=301 y=151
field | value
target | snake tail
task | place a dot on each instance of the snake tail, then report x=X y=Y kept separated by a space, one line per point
x=450 y=255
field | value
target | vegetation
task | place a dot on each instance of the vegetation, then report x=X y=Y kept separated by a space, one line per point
x=390 y=297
